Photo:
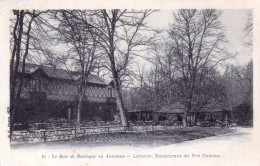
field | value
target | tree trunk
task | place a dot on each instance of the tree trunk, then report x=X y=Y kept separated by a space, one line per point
x=195 y=117
x=185 y=121
x=24 y=58
x=190 y=105
x=188 y=119
x=11 y=122
x=119 y=102
x=79 y=110
x=14 y=69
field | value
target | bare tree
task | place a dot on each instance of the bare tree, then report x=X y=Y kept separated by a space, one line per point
x=164 y=62
x=196 y=39
x=151 y=91
x=121 y=36
x=249 y=29
x=238 y=91
x=81 y=50
x=21 y=27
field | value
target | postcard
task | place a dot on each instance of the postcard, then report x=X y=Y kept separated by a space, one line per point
x=92 y=83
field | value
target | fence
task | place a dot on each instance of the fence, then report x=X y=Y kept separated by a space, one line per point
x=92 y=134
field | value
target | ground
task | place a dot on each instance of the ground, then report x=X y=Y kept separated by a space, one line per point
x=157 y=138
x=231 y=149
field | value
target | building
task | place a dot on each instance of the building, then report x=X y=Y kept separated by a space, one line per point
x=49 y=92
x=172 y=114
x=168 y=114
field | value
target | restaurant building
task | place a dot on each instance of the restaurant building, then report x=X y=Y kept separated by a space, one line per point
x=49 y=92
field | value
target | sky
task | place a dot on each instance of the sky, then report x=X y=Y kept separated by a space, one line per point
x=234 y=22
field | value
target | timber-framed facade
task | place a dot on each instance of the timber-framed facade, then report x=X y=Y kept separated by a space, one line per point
x=48 y=92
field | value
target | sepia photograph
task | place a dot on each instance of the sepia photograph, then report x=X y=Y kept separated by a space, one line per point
x=101 y=85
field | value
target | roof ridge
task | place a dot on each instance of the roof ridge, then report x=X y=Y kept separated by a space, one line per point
x=58 y=72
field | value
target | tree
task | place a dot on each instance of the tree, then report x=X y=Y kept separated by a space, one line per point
x=81 y=52
x=164 y=63
x=197 y=39
x=238 y=82
x=21 y=27
x=248 y=29
x=147 y=93
x=121 y=36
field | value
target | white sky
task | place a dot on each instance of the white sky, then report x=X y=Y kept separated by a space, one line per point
x=233 y=21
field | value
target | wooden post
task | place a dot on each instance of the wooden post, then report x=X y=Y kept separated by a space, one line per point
x=44 y=137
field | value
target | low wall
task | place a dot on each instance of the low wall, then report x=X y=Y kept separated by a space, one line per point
x=36 y=136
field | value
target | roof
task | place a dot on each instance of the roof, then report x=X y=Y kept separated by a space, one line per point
x=138 y=110
x=211 y=109
x=61 y=73
x=179 y=108
x=174 y=108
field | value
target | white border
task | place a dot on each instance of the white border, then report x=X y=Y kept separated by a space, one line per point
x=231 y=155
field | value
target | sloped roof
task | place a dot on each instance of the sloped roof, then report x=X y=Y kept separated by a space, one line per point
x=61 y=73
x=139 y=110
x=174 y=108
x=96 y=79
x=179 y=108
x=210 y=109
